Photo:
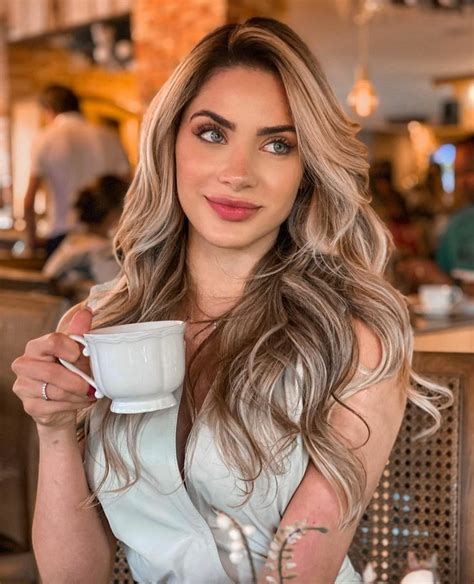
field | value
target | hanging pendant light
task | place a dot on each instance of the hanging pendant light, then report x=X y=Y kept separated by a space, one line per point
x=363 y=98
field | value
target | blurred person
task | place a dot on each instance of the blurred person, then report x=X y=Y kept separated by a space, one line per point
x=391 y=207
x=87 y=255
x=67 y=155
x=411 y=263
x=456 y=247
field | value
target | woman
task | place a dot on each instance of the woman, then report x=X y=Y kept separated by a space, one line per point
x=248 y=218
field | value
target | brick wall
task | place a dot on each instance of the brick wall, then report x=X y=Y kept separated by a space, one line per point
x=240 y=10
x=164 y=32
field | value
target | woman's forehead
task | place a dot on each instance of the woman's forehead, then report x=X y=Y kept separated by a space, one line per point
x=243 y=91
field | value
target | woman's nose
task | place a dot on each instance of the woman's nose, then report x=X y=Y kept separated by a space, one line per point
x=238 y=172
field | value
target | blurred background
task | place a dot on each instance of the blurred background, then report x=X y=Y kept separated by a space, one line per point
x=403 y=69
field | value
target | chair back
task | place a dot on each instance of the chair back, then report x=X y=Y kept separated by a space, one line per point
x=424 y=501
x=23 y=316
x=121 y=572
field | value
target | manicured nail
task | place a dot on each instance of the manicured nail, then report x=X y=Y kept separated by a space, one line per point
x=91 y=392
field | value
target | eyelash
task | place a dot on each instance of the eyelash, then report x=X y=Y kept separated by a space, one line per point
x=213 y=128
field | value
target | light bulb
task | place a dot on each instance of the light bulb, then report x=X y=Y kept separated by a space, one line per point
x=363 y=98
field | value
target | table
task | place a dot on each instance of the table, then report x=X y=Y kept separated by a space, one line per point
x=449 y=334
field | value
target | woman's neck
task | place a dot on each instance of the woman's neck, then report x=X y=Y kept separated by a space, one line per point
x=219 y=274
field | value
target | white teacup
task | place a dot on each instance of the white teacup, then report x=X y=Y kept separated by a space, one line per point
x=439 y=298
x=138 y=366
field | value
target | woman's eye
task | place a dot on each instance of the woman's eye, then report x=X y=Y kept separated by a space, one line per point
x=278 y=147
x=213 y=135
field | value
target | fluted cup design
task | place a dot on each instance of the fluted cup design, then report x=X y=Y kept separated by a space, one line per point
x=138 y=366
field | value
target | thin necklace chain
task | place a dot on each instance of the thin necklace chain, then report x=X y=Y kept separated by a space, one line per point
x=212 y=323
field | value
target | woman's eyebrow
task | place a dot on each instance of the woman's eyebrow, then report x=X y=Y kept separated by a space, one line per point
x=216 y=117
x=265 y=131
x=268 y=130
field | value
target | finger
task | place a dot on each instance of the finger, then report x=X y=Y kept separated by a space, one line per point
x=81 y=322
x=42 y=410
x=54 y=346
x=32 y=370
x=59 y=345
x=29 y=389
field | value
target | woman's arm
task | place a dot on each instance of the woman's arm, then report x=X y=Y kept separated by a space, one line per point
x=71 y=543
x=318 y=556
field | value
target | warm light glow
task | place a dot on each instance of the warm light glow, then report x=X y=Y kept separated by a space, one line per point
x=424 y=143
x=363 y=98
x=470 y=94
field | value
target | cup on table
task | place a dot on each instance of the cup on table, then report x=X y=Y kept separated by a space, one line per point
x=439 y=298
x=138 y=366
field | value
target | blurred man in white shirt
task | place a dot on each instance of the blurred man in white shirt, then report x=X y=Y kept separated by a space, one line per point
x=68 y=154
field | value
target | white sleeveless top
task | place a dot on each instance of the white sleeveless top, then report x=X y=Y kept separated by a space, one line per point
x=169 y=528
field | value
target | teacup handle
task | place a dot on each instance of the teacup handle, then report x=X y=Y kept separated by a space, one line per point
x=80 y=339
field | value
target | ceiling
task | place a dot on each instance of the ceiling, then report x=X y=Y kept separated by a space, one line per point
x=408 y=48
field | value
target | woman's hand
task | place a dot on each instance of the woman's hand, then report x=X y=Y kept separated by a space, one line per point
x=67 y=392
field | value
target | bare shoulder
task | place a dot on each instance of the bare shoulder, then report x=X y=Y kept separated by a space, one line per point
x=370 y=347
x=384 y=397
x=380 y=405
x=67 y=317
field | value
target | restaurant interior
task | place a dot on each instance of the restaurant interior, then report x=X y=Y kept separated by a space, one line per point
x=402 y=69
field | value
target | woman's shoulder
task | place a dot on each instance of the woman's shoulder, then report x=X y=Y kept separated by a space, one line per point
x=98 y=293
x=369 y=345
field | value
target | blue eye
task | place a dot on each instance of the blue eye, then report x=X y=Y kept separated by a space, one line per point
x=212 y=135
x=278 y=147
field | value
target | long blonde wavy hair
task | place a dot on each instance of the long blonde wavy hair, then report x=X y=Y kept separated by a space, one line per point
x=295 y=319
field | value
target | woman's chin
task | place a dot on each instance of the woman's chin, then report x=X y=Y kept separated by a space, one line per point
x=230 y=241
x=237 y=237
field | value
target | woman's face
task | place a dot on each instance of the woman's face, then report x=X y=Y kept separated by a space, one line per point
x=237 y=160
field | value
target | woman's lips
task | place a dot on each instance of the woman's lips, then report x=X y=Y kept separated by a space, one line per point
x=231 y=210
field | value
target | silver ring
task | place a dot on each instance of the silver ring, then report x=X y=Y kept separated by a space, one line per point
x=44 y=395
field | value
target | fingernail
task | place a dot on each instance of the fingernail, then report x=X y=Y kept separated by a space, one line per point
x=91 y=392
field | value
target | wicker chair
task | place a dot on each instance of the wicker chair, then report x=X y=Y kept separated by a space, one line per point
x=23 y=316
x=427 y=486
x=121 y=572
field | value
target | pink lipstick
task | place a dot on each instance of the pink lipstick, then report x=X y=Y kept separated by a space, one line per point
x=231 y=209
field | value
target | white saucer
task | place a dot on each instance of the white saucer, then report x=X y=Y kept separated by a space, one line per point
x=466 y=307
x=134 y=406
x=435 y=312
